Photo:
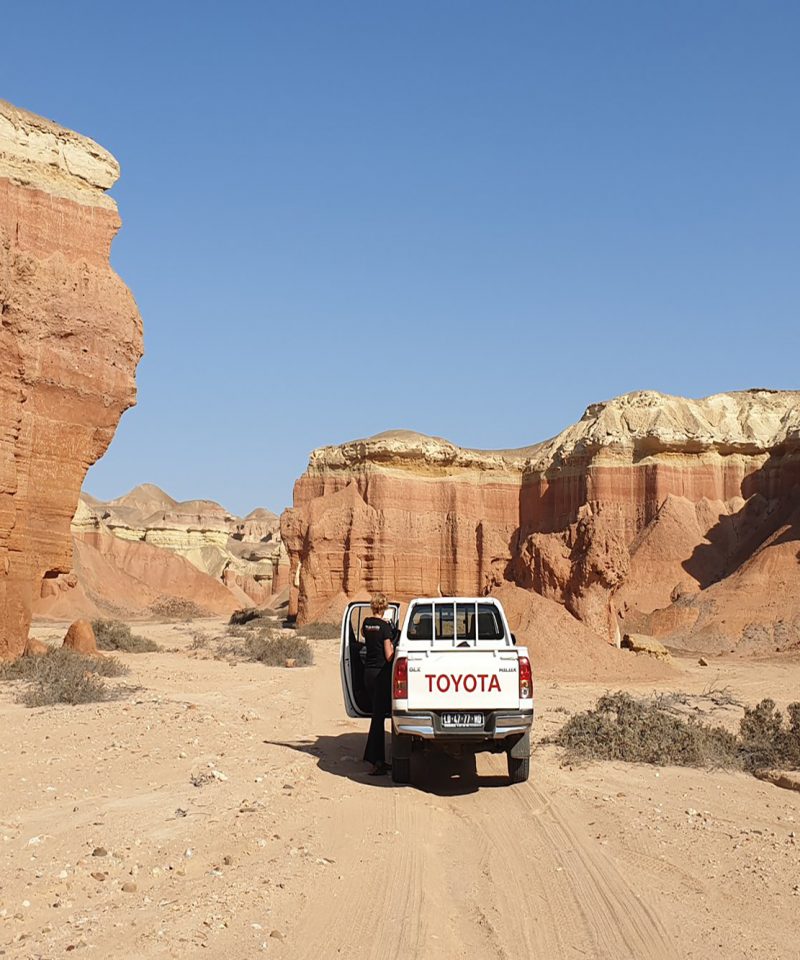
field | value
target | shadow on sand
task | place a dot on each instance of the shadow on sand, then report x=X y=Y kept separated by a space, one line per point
x=432 y=772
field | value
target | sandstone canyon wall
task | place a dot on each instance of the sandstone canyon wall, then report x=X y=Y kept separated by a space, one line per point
x=70 y=340
x=651 y=512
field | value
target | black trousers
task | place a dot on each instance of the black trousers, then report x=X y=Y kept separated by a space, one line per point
x=378 y=681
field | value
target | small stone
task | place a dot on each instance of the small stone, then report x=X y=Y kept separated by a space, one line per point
x=276 y=935
x=100 y=877
x=188 y=853
x=99 y=852
x=129 y=887
x=703 y=662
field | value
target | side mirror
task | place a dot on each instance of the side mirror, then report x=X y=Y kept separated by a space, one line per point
x=513 y=639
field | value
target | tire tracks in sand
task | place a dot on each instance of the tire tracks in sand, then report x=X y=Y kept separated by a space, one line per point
x=496 y=872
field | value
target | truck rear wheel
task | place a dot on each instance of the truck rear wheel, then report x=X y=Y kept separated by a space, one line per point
x=519 y=760
x=401 y=770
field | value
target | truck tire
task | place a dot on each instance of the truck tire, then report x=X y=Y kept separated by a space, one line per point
x=519 y=759
x=401 y=770
x=401 y=757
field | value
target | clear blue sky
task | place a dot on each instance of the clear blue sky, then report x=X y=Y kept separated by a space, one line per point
x=468 y=219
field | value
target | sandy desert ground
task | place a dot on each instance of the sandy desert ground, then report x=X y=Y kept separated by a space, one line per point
x=286 y=848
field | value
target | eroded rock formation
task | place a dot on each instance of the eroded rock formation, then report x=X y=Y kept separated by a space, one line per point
x=650 y=510
x=70 y=340
x=145 y=553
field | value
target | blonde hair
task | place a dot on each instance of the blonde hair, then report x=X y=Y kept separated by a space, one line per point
x=378 y=603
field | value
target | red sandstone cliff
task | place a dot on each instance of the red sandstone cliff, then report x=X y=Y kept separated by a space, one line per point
x=646 y=503
x=70 y=340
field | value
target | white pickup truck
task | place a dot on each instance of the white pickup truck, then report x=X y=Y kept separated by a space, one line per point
x=459 y=681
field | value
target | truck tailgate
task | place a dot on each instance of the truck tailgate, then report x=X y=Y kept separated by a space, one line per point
x=463 y=679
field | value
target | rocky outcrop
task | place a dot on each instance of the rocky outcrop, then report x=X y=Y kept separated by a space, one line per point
x=70 y=340
x=648 y=504
x=404 y=513
x=145 y=551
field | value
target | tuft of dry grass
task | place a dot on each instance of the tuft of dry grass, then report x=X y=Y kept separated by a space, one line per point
x=63 y=676
x=621 y=727
x=176 y=608
x=116 y=635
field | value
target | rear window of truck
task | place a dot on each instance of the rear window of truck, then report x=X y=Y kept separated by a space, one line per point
x=455 y=623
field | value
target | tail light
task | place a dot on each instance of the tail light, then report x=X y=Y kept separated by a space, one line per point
x=525 y=679
x=400 y=679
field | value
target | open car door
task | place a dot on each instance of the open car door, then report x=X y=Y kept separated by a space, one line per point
x=352 y=653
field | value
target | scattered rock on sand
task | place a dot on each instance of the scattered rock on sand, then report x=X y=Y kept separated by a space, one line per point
x=80 y=637
x=640 y=643
x=35 y=648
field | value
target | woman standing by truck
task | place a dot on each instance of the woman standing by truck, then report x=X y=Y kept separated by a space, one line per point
x=378 y=637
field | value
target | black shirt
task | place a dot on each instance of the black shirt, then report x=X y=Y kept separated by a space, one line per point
x=374 y=630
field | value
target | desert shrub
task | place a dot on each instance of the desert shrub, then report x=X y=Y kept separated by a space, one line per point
x=176 y=608
x=320 y=631
x=276 y=650
x=63 y=676
x=620 y=727
x=269 y=648
x=766 y=741
x=116 y=635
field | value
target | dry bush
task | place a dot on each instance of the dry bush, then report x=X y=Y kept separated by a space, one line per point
x=620 y=727
x=63 y=676
x=766 y=741
x=274 y=651
x=266 y=647
x=320 y=631
x=116 y=635
x=176 y=608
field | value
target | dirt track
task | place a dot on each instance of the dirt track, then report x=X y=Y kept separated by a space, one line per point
x=294 y=852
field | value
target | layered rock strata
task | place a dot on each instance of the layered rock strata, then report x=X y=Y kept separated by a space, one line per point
x=647 y=502
x=70 y=340
x=145 y=551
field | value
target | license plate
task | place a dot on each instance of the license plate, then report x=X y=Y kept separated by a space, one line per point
x=462 y=720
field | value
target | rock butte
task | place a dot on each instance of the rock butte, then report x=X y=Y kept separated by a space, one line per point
x=70 y=340
x=652 y=513
x=145 y=553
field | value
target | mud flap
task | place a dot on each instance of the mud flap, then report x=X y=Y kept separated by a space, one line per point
x=521 y=748
x=401 y=746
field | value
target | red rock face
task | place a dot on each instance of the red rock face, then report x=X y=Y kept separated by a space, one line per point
x=70 y=340
x=643 y=503
x=423 y=529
